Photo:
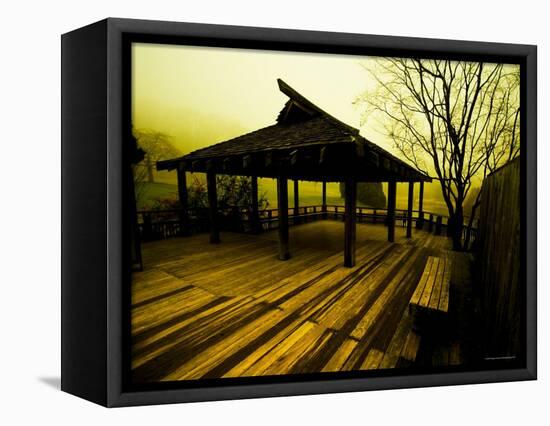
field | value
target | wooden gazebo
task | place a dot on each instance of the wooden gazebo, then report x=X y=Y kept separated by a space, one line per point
x=306 y=143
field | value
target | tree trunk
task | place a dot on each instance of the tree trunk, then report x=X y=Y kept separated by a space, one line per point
x=455 y=224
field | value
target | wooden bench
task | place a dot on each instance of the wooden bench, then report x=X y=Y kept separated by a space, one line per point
x=429 y=304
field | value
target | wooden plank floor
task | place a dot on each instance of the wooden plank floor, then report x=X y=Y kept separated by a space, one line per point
x=234 y=310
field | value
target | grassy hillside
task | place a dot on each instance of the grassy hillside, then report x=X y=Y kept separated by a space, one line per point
x=147 y=193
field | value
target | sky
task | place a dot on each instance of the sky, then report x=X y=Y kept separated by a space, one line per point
x=198 y=94
x=203 y=95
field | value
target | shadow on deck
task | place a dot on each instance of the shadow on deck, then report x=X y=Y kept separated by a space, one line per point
x=234 y=310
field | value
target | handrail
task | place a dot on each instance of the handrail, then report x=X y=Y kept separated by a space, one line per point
x=244 y=209
x=169 y=226
x=330 y=208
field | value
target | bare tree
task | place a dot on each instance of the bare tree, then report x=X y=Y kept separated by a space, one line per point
x=157 y=146
x=501 y=140
x=455 y=121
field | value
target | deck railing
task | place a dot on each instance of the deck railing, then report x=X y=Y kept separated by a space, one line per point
x=161 y=224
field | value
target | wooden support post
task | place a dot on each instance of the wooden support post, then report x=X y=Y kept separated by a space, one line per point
x=282 y=205
x=324 y=203
x=410 y=210
x=392 y=189
x=296 y=199
x=184 y=203
x=213 y=208
x=350 y=222
x=420 y=221
x=438 y=225
x=431 y=224
x=147 y=233
x=135 y=240
x=255 y=215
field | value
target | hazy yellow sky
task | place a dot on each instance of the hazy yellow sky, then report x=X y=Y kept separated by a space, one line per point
x=203 y=95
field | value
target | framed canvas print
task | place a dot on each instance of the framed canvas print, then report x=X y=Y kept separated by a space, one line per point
x=253 y=212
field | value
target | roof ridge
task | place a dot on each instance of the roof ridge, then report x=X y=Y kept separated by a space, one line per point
x=301 y=99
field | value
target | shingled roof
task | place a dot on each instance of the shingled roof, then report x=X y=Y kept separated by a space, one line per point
x=306 y=143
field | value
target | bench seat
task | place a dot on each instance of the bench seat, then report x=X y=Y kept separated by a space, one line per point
x=429 y=304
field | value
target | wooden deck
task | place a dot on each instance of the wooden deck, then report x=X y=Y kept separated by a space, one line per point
x=233 y=309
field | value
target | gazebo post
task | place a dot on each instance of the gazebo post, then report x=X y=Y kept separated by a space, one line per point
x=296 y=199
x=410 y=210
x=183 y=199
x=324 y=204
x=350 y=226
x=420 y=222
x=213 y=207
x=282 y=205
x=391 y=210
x=255 y=219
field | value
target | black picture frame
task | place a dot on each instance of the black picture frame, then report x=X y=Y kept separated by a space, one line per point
x=95 y=117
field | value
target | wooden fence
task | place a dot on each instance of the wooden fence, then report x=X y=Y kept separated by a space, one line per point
x=498 y=262
x=161 y=224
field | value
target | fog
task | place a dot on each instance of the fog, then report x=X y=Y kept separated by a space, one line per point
x=201 y=96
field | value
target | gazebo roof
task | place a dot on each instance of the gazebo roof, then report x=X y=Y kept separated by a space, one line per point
x=306 y=143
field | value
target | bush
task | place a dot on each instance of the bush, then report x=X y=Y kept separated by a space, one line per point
x=232 y=191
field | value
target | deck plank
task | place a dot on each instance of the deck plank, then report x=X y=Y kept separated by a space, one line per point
x=426 y=294
x=436 y=291
x=423 y=280
x=233 y=310
x=444 y=301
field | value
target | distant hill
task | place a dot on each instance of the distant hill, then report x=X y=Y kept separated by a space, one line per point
x=188 y=128
x=147 y=193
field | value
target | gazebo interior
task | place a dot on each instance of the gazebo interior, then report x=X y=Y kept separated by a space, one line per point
x=306 y=143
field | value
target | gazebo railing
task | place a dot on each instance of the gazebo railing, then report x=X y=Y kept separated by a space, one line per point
x=162 y=224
